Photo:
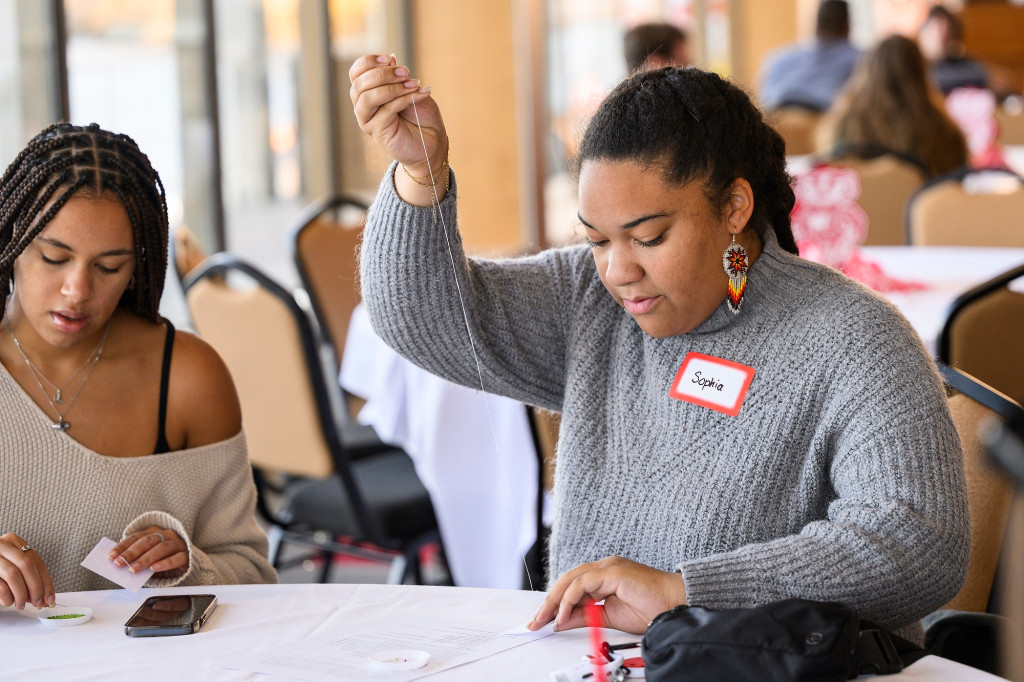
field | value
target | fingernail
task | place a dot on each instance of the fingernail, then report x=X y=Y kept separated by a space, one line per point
x=51 y=600
x=119 y=560
x=426 y=89
x=411 y=84
x=133 y=568
x=381 y=59
x=402 y=72
x=554 y=628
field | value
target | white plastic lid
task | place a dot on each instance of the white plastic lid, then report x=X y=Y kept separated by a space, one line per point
x=64 y=616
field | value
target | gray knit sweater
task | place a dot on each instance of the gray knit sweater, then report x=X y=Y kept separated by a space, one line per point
x=62 y=498
x=841 y=478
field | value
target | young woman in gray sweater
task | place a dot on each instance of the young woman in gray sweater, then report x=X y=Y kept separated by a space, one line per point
x=739 y=425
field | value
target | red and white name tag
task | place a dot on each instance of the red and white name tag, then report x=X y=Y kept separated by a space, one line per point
x=712 y=382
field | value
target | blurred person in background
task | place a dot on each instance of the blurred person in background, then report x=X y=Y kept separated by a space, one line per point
x=652 y=46
x=812 y=75
x=890 y=104
x=940 y=39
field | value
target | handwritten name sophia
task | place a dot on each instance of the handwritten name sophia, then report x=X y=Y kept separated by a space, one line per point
x=706 y=383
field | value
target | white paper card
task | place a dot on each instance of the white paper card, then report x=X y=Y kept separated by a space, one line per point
x=99 y=562
x=522 y=631
x=342 y=655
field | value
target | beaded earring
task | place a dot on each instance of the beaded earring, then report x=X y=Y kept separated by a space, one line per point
x=735 y=263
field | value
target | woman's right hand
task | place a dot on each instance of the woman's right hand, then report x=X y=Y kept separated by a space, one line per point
x=23 y=575
x=382 y=96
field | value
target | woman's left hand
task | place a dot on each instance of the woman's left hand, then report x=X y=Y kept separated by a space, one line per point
x=158 y=548
x=633 y=595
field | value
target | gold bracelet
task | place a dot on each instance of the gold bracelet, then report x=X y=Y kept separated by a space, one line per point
x=430 y=179
x=433 y=195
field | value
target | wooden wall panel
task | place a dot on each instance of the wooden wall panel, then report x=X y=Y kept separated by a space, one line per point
x=463 y=49
x=993 y=32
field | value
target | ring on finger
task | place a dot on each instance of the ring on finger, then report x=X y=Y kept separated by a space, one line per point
x=25 y=548
x=159 y=535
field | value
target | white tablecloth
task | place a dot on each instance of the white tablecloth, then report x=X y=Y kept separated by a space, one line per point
x=948 y=271
x=263 y=619
x=485 y=497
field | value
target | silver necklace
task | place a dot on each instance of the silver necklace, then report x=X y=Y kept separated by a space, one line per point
x=57 y=398
x=58 y=395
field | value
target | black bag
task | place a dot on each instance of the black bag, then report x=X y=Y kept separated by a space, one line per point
x=790 y=641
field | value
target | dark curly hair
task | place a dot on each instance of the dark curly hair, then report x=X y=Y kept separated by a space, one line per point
x=67 y=160
x=695 y=125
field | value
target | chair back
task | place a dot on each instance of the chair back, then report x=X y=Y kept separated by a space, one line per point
x=983 y=333
x=797 y=126
x=989 y=490
x=187 y=253
x=325 y=241
x=968 y=208
x=1010 y=121
x=1005 y=445
x=271 y=355
x=887 y=182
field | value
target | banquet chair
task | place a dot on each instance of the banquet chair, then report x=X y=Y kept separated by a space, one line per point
x=887 y=179
x=331 y=496
x=969 y=627
x=1010 y=120
x=1006 y=447
x=797 y=125
x=544 y=426
x=186 y=252
x=325 y=241
x=983 y=331
x=989 y=489
x=968 y=208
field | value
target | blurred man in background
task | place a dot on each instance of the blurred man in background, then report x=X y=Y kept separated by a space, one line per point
x=812 y=75
x=652 y=46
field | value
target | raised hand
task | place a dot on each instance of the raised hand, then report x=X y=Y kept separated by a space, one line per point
x=383 y=93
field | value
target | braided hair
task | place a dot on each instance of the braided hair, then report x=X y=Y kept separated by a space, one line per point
x=695 y=125
x=66 y=160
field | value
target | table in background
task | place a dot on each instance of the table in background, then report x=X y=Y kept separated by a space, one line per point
x=446 y=429
x=268 y=618
x=947 y=272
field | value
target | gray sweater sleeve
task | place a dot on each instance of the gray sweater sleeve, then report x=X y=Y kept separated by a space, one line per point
x=419 y=288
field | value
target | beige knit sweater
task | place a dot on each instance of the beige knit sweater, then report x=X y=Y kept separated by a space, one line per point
x=62 y=497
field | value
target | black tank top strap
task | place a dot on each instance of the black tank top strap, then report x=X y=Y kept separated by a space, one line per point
x=162 y=445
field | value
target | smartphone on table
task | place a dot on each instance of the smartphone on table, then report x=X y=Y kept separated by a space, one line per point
x=171 y=614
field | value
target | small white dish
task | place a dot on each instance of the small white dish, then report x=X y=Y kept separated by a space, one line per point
x=64 y=616
x=395 y=660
